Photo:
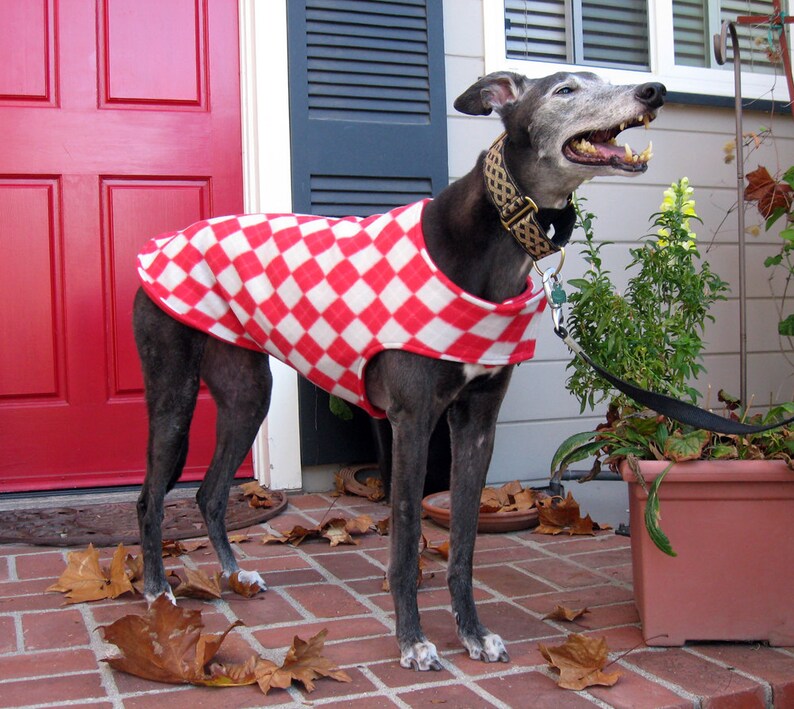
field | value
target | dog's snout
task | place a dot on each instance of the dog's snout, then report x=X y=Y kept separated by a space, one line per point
x=651 y=94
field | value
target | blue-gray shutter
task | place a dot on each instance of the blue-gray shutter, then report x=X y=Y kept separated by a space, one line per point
x=368 y=127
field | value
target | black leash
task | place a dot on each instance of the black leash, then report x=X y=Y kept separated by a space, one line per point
x=668 y=406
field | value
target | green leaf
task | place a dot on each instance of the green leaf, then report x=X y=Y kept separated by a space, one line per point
x=787 y=234
x=786 y=327
x=776 y=214
x=653 y=516
x=771 y=261
x=788 y=176
x=680 y=447
x=340 y=408
x=568 y=446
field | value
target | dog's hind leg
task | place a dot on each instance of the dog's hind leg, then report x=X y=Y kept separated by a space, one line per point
x=240 y=382
x=170 y=358
x=472 y=422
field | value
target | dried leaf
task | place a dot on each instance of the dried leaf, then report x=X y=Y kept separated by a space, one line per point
x=239 y=538
x=175 y=547
x=247 y=589
x=375 y=491
x=767 y=192
x=196 y=584
x=335 y=532
x=382 y=526
x=258 y=497
x=556 y=515
x=566 y=614
x=581 y=661
x=134 y=566
x=583 y=526
x=303 y=663
x=166 y=645
x=84 y=579
x=359 y=525
x=277 y=537
x=441 y=549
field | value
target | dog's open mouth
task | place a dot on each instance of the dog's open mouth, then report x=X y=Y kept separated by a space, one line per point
x=598 y=148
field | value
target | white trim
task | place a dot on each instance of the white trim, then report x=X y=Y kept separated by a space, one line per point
x=264 y=89
x=691 y=80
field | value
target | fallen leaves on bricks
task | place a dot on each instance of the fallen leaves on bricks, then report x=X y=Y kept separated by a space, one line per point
x=581 y=661
x=167 y=645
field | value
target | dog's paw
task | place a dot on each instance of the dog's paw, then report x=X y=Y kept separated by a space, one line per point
x=420 y=656
x=152 y=597
x=251 y=578
x=489 y=649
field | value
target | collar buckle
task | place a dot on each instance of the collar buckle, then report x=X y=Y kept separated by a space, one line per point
x=529 y=206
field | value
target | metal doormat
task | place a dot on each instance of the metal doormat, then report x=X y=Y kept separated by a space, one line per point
x=108 y=524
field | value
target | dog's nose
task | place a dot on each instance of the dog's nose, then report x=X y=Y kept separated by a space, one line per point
x=652 y=94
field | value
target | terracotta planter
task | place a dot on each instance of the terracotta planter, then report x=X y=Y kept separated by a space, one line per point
x=732 y=525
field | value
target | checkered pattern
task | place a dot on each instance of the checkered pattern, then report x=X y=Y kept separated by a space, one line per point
x=326 y=295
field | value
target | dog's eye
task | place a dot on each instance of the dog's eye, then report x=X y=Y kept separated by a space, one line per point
x=564 y=90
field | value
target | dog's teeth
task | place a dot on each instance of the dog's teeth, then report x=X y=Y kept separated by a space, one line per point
x=646 y=154
x=622 y=126
x=629 y=153
x=647 y=121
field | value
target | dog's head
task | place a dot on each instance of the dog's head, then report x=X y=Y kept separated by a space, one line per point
x=563 y=128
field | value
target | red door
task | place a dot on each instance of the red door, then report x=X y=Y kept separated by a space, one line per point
x=119 y=119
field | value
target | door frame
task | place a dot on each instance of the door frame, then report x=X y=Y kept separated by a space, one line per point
x=264 y=94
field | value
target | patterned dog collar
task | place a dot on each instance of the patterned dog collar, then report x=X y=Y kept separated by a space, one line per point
x=519 y=214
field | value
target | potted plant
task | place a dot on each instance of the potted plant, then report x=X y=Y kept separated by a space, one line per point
x=719 y=570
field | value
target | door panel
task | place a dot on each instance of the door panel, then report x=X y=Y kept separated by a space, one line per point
x=109 y=137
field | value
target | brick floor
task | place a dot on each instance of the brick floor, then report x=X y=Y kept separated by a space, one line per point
x=50 y=653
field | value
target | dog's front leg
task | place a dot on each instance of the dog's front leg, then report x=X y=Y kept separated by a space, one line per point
x=409 y=463
x=472 y=422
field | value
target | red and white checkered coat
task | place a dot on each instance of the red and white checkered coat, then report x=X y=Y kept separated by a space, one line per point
x=325 y=295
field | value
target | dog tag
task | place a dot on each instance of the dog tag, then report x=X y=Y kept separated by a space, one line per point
x=558 y=296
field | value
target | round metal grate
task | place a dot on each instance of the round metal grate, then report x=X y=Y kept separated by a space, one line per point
x=107 y=524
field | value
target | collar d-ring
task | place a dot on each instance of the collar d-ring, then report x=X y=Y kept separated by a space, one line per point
x=559 y=265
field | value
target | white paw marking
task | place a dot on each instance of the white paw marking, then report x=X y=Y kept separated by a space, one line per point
x=492 y=648
x=421 y=656
x=169 y=594
x=251 y=578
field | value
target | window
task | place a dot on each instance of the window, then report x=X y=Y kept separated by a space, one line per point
x=670 y=40
x=587 y=32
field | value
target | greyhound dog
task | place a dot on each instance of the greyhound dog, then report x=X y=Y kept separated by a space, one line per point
x=559 y=132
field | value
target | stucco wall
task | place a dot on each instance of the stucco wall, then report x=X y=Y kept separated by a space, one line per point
x=538 y=413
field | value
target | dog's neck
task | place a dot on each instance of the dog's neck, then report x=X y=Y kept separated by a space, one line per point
x=519 y=213
x=466 y=239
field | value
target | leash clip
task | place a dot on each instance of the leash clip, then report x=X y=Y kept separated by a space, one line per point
x=556 y=297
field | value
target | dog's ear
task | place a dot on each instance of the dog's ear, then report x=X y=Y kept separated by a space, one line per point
x=492 y=92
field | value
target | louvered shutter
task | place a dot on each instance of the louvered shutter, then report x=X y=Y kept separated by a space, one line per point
x=367 y=104
x=539 y=30
x=596 y=32
x=754 y=57
x=368 y=131
x=615 y=33
x=691 y=33
x=695 y=21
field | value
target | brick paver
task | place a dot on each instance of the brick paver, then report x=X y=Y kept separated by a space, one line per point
x=50 y=653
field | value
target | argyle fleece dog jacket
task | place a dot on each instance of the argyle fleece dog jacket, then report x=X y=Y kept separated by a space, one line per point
x=325 y=295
